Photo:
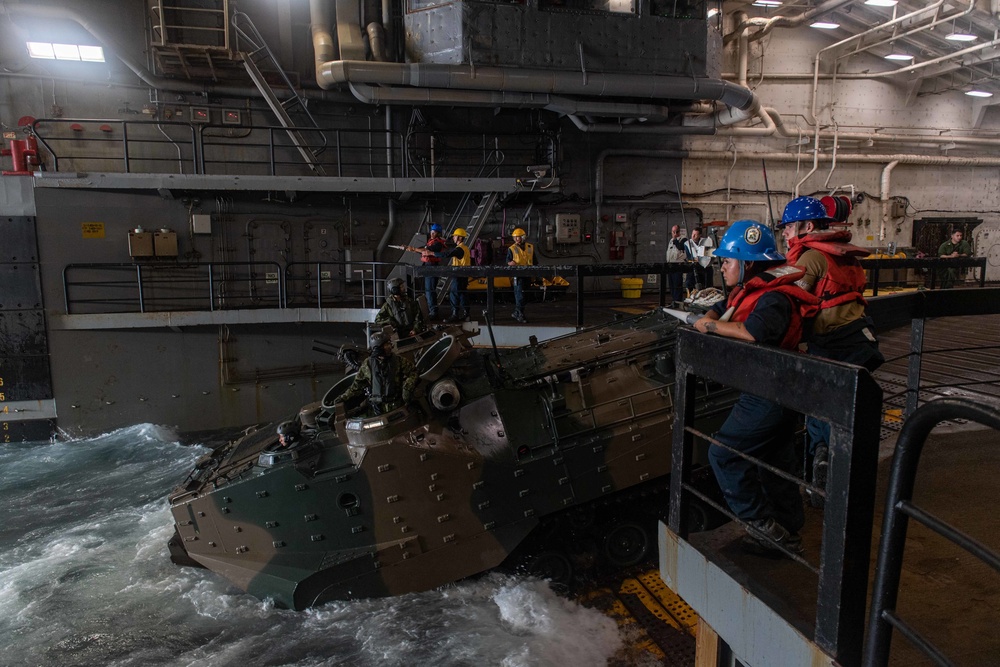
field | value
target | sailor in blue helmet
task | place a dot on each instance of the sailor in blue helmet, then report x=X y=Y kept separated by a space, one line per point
x=430 y=256
x=842 y=331
x=764 y=306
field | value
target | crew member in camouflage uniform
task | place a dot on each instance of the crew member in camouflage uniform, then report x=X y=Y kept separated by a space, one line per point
x=954 y=247
x=400 y=311
x=388 y=379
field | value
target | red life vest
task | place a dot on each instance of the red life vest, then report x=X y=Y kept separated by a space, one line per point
x=781 y=279
x=844 y=280
x=436 y=244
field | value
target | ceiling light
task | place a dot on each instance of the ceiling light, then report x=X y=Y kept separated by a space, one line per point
x=713 y=11
x=881 y=3
x=961 y=37
x=767 y=3
x=823 y=25
x=978 y=93
x=47 y=51
x=899 y=56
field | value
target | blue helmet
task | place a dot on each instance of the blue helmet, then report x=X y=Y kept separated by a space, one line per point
x=749 y=241
x=804 y=208
x=436 y=227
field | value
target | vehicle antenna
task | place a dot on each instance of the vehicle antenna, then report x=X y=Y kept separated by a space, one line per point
x=680 y=200
x=768 y=191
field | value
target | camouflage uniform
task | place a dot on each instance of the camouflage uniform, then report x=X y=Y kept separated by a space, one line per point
x=404 y=315
x=388 y=381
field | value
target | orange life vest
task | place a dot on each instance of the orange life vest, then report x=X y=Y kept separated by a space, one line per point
x=781 y=279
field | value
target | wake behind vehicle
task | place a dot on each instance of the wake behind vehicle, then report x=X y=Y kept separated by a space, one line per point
x=552 y=456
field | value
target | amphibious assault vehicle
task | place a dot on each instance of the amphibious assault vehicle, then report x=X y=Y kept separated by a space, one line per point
x=551 y=457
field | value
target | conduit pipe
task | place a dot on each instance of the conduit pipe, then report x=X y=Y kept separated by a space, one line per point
x=884 y=197
x=920 y=28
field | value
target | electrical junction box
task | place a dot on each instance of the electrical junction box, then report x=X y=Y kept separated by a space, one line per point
x=140 y=243
x=201 y=223
x=165 y=243
x=567 y=228
x=898 y=209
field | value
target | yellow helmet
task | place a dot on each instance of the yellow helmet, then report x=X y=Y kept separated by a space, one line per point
x=460 y=232
x=518 y=232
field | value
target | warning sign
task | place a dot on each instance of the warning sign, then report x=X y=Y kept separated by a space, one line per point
x=92 y=230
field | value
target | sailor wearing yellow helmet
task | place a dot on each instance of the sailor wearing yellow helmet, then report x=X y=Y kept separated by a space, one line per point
x=520 y=254
x=459 y=293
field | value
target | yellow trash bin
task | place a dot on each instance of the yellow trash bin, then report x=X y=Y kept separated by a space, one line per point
x=631 y=288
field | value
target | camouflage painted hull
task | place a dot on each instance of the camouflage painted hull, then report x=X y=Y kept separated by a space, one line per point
x=446 y=488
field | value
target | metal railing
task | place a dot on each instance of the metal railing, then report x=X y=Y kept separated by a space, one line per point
x=800 y=383
x=899 y=509
x=934 y=265
x=171 y=146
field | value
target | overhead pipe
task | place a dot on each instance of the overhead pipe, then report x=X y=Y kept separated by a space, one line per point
x=884 y=197
x=768 y=24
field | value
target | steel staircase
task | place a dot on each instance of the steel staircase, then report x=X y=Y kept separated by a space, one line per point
x=256 y=53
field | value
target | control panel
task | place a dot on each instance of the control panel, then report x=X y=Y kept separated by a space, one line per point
x=567 y=228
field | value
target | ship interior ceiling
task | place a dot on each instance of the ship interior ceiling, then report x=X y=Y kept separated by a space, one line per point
x=214 y=194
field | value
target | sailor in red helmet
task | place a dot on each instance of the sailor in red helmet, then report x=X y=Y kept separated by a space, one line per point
x=430 y=256
x=764 y=306
x=842 y=331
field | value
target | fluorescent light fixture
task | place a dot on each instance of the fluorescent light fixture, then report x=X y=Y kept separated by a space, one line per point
x=767 y=3
x=978 y=93
x=47 y=51
x=41 y=50
x=823 y=25
x=881 y=3
x=899 y=56
x=713 y=11
x=961 y=37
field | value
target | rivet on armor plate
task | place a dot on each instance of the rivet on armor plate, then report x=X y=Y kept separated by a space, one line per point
x=270 y=524
x=191 y=539
x=224 y=510
x=406 y=554
x=262 y=494
x=316 y=538
x=434 y=476
x=483 y=505
x=471 y=465
x=606 y=488
x=227 y=499
x=489 y=525
x=211 y=544
x=640 y=457
x=357 y=529
x=443 y=518
x=278 y=544
x=449 y=538
x=310 y=517
x=301 y=487
x=392 y=499
x=237 y=529
x=397 y=519
x=523 y=493
x=404 y=529
x=478 y=485
x=643 y=477
x=598 y=449
x=602 y=468
x=242 y=549
x=440 y=497
x=423 y=457
x=384 y=467
x=563 y=480
x=377 y=564
x=519 y=472
x=637 y=436
x=185 y=523
x=201 y=514
x=432 y=487
x=529 y=512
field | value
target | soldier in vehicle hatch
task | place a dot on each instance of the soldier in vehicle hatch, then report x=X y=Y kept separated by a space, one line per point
x=400 y=311
x=387 y=379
